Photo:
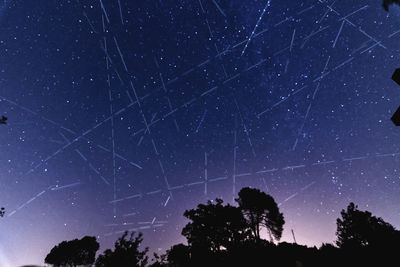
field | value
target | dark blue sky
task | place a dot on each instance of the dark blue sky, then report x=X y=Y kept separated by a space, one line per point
x=122 y=114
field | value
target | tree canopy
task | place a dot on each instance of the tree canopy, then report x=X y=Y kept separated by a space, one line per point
x=126 y=253
x=214 y=226
x=360 y=229
x=260 y=209
x=179 y=255
x=73 y=253
x=219 y=234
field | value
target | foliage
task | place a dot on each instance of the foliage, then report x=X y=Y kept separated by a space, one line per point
x=159 y=261
x=73 y=253
x=178 y=255
x=359 y=229
x=126 y=253
x=214 y=226
x=260 y=209
x=224 y=235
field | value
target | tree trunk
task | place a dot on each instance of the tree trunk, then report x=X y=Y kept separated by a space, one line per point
x=270 y=236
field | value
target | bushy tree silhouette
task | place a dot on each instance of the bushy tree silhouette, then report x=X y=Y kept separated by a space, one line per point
x=214 y=226
x=126 y=253
x=360 y=229
x=178 y=256
x=159 y=261
x=260 y=209
x=224 y=235
x=73 y=253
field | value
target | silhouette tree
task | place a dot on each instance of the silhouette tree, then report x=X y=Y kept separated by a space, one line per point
x=214 y=227
x=159 y=261
x=360 y=229
x=73 y=253
x=178 y=256
x=2 y=211
x=126 y=253
x=260 y=209
x=387 y=3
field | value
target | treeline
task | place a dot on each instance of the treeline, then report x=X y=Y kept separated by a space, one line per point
x=226 y=235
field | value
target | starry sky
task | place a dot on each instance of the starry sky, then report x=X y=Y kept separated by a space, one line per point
x=122 y=114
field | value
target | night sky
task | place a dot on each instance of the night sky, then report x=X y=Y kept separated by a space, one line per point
x=122 y=114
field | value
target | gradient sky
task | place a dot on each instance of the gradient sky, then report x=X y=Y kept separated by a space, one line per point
x=122 y=114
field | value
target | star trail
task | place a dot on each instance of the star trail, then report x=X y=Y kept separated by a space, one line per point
x=122 y=114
